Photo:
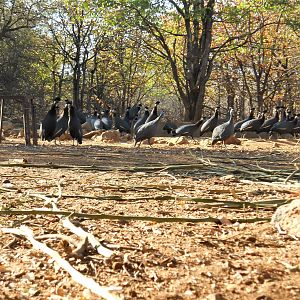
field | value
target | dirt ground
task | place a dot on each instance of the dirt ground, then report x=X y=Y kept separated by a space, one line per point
x=241 y=256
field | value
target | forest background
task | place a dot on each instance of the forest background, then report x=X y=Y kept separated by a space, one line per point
x=192 y=55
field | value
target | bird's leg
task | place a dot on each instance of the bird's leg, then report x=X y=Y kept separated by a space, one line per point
x=73 y=143
x=149 y=143
x=177 y=139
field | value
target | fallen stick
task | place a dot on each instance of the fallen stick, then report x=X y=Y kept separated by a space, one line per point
x=292 y=174
x=77 y=230
x=57 y=236
x=91 y=238
x=76 y=276
x=212 y=201
x=126 y=218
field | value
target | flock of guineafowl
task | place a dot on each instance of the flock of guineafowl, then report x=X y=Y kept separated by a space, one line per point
x=143 y=124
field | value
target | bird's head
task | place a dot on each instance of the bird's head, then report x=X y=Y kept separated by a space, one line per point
x=157 y=102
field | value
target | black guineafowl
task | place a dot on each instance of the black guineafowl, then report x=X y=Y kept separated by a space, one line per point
x=62 y=122
x=75 y=126
x=49 y=122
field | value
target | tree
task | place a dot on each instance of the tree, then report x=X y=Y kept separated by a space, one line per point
x=16 y=15
x=73 y=26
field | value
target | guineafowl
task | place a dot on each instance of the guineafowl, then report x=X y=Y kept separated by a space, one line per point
x=188 y=129
x=91 y=119
x=254 y=124
x=49 y=122
x=133 y=111
x=98 y=123
x=211 y=123
x=147 y=130
x=106 y=120
x=121 y=124
x=140 y=121
x=237 y=126
x=75 y=126
x=223 y=131
x=169 y=127
x=62 y=122
x=268 y=124
x=80 y=115
x=154 y=114
x=285 y=126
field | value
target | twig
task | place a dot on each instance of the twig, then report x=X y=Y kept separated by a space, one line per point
x=70 y=240
x=292 y=174
x=77 y=276
x=79 y=231
x=126 y=218
x=85 y=235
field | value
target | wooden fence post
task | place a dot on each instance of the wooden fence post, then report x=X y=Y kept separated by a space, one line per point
x=1 y=117
x=33 y=124
x=26 y=122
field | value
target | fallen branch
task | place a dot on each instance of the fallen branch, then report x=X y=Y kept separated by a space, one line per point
x=211 y=167
x=292 y=174
x=126 y=218
x=77 y=230
x=66 y=238
x=211 y=201
x=85 y=235
x=77 y=276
